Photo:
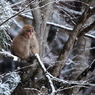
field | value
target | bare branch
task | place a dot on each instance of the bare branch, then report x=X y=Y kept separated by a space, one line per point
x=69 y=44
x=46 y=74
x=18 y=3
x=15 y=14
x=17 y=23
x=59 y=26
x=87 y=29
x=9 y=54
x=90 y=36
x=68 y=82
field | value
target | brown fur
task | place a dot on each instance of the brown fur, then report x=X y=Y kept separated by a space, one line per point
x=24 y=46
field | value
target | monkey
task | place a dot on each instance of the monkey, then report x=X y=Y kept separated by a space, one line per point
x=25 y=44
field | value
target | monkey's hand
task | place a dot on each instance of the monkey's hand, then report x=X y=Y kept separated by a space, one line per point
x=35 y=50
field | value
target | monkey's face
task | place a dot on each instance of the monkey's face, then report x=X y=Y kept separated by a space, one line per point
x=30 y=33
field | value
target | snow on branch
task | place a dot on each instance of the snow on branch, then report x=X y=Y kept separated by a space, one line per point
x=5 y=13
x=9 y=54
x=65 y=82
x=68 y=29
x=59 y=26
x=9 y=18
x=90 y=36
x=26 y=16
x=46 y=74
x=18 y=3
x=10 y=84
x=17 y=23
x=6 y=20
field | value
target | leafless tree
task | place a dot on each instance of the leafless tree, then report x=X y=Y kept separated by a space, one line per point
x=67 y=18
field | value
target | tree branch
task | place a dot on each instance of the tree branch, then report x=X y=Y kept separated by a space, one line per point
x=69 y=44
x=46 y=74
x=87 y=29
x=15 y=14
x=69 y=30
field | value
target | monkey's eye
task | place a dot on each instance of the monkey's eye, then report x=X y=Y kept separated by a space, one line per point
x=28 y=30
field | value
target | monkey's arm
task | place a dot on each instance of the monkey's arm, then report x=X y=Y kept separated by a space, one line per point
x=34 y=45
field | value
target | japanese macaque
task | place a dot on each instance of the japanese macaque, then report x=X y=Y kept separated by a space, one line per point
x=25 y=44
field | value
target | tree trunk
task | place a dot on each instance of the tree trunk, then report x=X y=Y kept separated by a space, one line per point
x=41 y=15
